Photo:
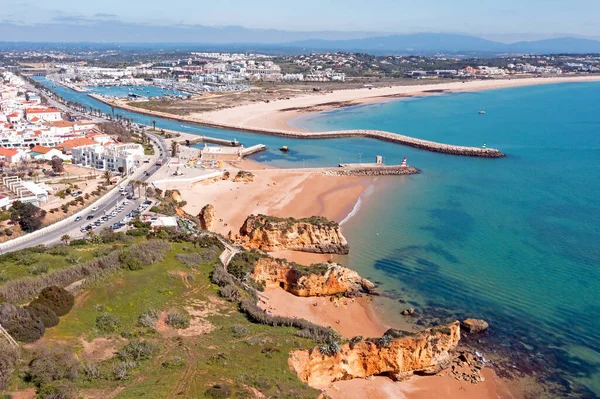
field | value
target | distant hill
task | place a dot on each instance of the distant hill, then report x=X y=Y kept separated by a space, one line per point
x=450 y=43
x=247 y=39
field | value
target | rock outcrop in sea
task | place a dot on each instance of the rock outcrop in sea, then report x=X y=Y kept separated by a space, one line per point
x=315 y=234
x=426 y=352
x=307 y=281
x=208 y=217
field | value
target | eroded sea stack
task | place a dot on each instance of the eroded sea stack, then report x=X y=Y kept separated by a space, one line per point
x=314 y=234
x=208 y=217
x=323 y=279
x=427 y=352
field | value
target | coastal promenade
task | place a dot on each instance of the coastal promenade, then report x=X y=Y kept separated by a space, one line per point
x=374 y=134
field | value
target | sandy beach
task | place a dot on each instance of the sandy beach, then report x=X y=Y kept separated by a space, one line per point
x=276 y=114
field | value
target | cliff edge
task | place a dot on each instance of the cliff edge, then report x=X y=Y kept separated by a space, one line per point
x=427 y=352
x=314 y=234
x=323 y=279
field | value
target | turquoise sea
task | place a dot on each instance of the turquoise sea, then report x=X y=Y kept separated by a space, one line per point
x=515 y=241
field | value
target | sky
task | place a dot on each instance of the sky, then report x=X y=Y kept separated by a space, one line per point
x=503 y=20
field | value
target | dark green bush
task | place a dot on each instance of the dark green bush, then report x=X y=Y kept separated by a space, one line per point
x=138 y=232
x=47 y=315
x=59 y=300
x=21 y=324
x=130 y=261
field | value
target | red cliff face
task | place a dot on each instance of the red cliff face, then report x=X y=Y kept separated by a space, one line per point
x=316 y=280
x=426 y=352
x=315 y=234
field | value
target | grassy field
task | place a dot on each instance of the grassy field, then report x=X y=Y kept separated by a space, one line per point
x=220 y=346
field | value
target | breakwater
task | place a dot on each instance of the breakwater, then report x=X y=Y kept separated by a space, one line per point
x=374 y=134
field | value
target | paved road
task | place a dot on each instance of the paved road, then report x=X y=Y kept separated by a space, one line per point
x=73 y=230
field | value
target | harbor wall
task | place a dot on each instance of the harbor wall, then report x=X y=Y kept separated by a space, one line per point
x=374 y=134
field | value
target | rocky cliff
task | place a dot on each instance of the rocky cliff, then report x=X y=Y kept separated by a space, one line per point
x=244 y=177
x=316 y=280
x=426 y=352
x=315 y=234
x=208 y=217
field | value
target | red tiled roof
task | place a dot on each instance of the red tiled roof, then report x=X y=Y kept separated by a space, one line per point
x=41 y=149
x=40 y=110
x=69 y=144
x=8 y=152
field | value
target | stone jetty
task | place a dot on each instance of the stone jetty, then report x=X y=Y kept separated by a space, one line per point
x=374 y=134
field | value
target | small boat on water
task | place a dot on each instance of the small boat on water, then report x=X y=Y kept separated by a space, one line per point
x=284 y=148
x=481 y=112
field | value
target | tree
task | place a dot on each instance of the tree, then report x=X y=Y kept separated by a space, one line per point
x=65 y=239
x=137 y=184
x=107 y=176
x=121 y=169
x=174 y=147
x=145 y=185
x=27 y=215
x=57 y=165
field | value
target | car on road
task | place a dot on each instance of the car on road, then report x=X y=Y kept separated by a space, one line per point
x=148 y=202
x=78 y=218
x=89 y=217
x=129 y=197
x=94 y=208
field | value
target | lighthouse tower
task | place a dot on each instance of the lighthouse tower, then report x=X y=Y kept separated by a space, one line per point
x=403 y=165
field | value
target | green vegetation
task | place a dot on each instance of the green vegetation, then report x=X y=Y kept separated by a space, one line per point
x=220 y=349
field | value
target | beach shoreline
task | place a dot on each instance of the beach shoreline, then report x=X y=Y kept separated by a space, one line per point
x=277 y=115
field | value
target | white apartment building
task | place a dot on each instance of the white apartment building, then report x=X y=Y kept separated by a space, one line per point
x=110 y=157
x=44 y=114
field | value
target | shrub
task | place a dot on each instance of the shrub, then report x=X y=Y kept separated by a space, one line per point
x=129 y=260
x=178 y=320
x=174 y=362
x=21 y=289
x=136 y=351
x=330 y=349
x=137 y=232
x=242 y=264
x=52 y=365
x=91 y=371
x=148 y=319
x=239 y=331
x=107 y=323
x=355 y=340
x=8 y=359
x=78 y=243
x=36 y=270
x=58 y=250
x=121 y=370
x=218 y=391
x=151 y=251
x=58 y=390
x=47 y=315
x=56 y=298
x=21 y=324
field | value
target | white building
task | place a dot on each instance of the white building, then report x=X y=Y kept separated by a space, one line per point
x=45 y=114
x=112 y=157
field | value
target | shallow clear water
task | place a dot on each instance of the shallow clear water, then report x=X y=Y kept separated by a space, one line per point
x=515 y=240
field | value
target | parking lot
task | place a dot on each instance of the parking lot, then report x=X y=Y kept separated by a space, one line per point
x=117 y=217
